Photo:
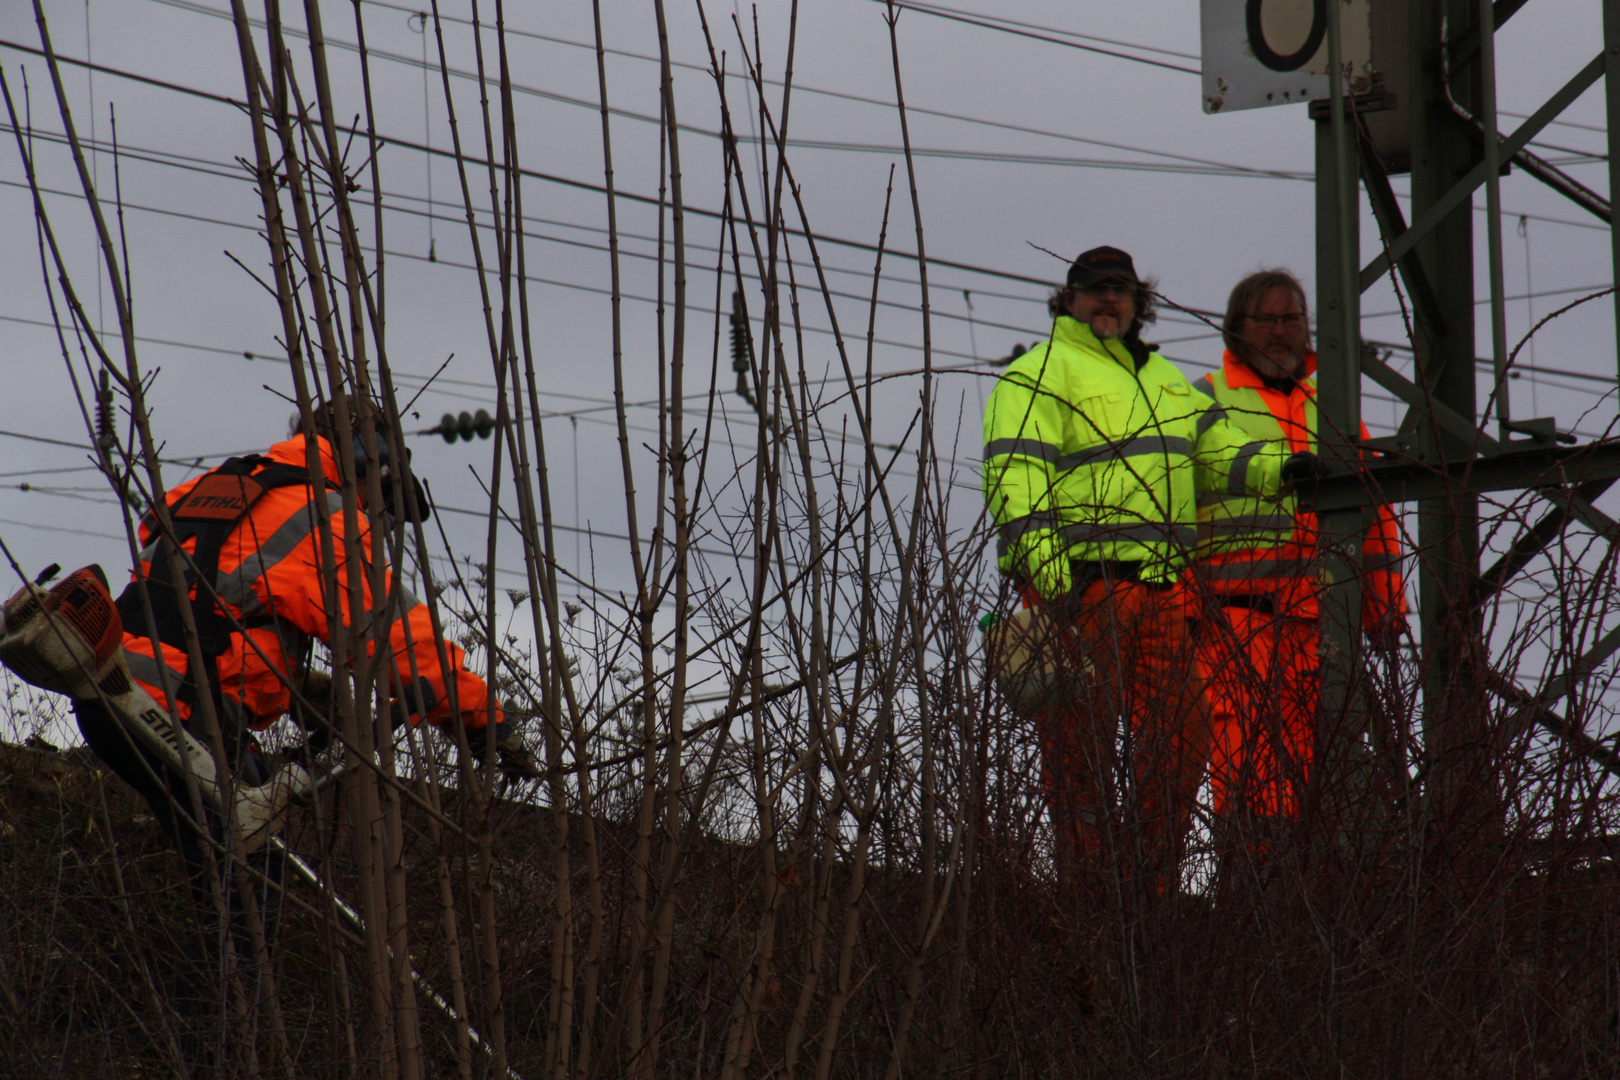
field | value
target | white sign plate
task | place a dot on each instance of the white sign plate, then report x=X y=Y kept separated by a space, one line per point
x=1275 y=52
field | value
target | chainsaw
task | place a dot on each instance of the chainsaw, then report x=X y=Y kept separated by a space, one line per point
x=68 y=639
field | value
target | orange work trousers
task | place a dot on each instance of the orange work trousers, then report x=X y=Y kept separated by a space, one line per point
x=1264 y=679
x=1124 y=752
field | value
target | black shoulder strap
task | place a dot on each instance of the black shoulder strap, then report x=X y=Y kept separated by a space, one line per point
x=210 y=512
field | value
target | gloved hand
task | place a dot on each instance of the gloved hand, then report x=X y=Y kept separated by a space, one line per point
x=1046 y=563
x=513 y=758
x=1302 y=471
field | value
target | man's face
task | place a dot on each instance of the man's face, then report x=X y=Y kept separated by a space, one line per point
x=1108 y=307
x=1275 y=337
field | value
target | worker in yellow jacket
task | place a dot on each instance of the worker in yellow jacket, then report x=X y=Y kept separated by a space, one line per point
x=1095 y=450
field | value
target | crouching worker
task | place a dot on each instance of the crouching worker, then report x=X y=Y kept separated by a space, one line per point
x=260 y=582
x=1095 y=450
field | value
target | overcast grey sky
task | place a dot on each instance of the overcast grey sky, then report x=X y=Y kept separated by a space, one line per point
x=1045 y=144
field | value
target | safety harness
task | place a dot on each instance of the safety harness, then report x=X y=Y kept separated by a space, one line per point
x=209 y=512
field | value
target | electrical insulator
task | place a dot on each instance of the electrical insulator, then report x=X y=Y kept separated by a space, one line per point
x=106 y=438
x=739 y=346
x=465 y=426
x=739 y=333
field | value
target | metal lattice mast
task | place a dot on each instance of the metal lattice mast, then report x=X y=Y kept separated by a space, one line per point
x=1445 y=455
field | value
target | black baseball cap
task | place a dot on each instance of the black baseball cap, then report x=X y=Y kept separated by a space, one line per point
x=1101 y=264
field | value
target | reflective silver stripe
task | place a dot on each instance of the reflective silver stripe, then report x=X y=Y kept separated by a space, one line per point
x=1142 y=445
x=1017 y=527
x=1237 y=481
x=150 y=672
x=236 y=588
x=1147 y=532
x=1212 y=416
x=1033 y=448
x=1248 y=522
x=1258 y=568
x=407 y=599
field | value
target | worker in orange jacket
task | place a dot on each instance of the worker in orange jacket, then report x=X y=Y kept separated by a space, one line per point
x=267 y=573
x=1259 y=572
x=256 y=575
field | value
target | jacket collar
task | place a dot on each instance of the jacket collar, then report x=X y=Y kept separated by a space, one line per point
x=1071 y=331
x=1239 y=374
x=292 y=452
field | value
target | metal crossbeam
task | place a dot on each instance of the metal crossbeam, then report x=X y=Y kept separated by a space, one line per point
x=1532 y=542
x=1535 y=707
x=1426 y=405
x=1611 y=94
x=1462 y=189
x=1466 y=44
x=1392 y=223
x=1550 y=468
x=1566 y=185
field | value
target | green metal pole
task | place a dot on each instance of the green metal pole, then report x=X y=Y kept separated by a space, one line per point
x=1454 y=705
x=1338 y=350
x=1493 y=213
x=1611 y=92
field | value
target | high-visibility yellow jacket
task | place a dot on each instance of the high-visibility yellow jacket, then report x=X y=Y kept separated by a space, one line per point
x=1261 y=547
x=1103 y=446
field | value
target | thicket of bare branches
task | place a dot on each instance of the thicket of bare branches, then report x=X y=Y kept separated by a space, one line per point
x=787 y=826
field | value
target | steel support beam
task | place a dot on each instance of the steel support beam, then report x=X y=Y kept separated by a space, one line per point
x=1441 y=205
x=1448 y=461
x=1532 y=707
x=1446 y=169
x=1391 y=224
x=1611 y=98
x=1465 y=44
x=1426 y=406
x=1534 y=540
x=1338 y=374
x=1554 y=469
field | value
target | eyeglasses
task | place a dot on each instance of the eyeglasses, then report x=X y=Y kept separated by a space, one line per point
x=1105 y=288
x=1269 y=322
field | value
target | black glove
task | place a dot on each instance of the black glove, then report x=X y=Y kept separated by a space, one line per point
x=1302 y=471
x=514 y=759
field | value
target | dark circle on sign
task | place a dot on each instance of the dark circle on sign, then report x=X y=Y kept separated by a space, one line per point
x=1268 y=56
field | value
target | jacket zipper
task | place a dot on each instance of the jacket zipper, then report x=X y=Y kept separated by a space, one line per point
x=1164 y=447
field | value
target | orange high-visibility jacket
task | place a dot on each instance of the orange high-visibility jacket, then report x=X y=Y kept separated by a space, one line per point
x=1253 y=547
x=270 y=581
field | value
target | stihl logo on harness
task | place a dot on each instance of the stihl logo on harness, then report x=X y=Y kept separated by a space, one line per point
x=219 y=497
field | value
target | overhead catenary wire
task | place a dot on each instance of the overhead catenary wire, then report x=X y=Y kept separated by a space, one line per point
x=750 y=275
x=224 y=172
x=802 y=88
x=429 y=149
x=546 y=177
x=604 y=404
x=1024 y=30
x=384 y=55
